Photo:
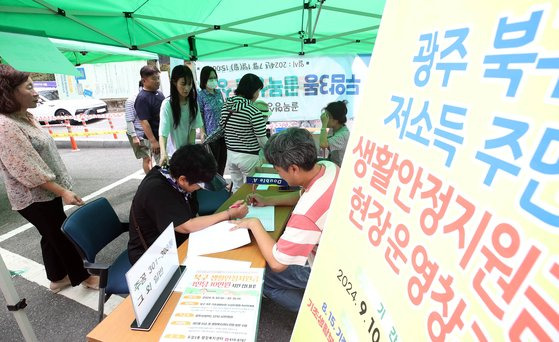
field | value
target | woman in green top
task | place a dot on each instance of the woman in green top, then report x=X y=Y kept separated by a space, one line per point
x=179 y=116
x=334 y=117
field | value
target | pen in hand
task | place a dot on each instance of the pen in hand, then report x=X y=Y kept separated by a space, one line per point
x=237 y=204
x=250 y=200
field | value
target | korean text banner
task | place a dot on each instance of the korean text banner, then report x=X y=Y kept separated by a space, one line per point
x=445 y=221
x=297 y=88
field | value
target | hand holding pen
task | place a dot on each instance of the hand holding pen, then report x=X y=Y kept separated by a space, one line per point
x=255 y=200
x=237 y=210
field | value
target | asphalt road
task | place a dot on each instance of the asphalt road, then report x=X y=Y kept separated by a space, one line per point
x=113 y=173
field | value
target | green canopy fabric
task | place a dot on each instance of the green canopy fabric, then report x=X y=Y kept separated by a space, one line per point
x=43 y=57
x=222 y=29
x=87 y=53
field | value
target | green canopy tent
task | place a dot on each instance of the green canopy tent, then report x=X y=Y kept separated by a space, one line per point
x=87 y=53
x=205 y=30
x=41 y=54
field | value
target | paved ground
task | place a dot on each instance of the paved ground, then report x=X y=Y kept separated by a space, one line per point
x=113 y=173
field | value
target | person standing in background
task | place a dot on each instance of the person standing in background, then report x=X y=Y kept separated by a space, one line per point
x=245 y=131
x=133 y=129
x=179 y=116
x=210 y=100
x=334 y=117
x=36 y=179
x=147 y=106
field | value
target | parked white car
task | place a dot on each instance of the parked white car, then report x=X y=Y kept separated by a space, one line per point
x=50 y=106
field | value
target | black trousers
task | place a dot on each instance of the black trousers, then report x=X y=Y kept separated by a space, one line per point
x=219 y=150
x=59 y=254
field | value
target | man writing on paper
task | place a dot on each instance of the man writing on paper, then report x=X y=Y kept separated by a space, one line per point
x=164 y=197
x=289 y=261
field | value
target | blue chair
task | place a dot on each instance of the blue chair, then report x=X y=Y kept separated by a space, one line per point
x=90 y=228
x=209 y=201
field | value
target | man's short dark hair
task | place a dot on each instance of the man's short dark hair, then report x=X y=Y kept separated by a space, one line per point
x=294 y=146
x=193 y=162
x=148 y=71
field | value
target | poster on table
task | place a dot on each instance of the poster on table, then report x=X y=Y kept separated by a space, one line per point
x=297 y=88
x=445 y=221
x=217 y=306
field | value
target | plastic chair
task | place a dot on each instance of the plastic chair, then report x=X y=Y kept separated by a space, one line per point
x=91 y=228
x=209 y=201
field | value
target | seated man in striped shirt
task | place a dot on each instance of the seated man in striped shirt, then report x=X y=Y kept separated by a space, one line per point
x=289 y=261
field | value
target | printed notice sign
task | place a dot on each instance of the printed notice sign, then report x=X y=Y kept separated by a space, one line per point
x=217 y=306
x=149 y=276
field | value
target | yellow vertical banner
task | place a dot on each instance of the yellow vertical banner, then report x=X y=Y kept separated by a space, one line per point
x=445 y=220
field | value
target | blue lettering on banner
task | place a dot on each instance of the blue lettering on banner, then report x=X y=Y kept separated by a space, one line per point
x=513 y=55
x=446 y=135
x=451 y=58
x=514 y=39
x=528 y=30
x=539 y=165
x=518 y=129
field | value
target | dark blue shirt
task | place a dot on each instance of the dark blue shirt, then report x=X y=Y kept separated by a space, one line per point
x=147 y=106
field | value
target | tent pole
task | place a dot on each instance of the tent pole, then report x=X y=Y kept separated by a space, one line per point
x=12 y=299
x=338 y=45
x=170 y=39
x=24 y=10
x=256 y=33
x=309 y=22
x=370 y=28
x=316 y=20
x=343 y=10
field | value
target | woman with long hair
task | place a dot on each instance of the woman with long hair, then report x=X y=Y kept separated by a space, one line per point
x=36 y=179
x=210 y=100
x=180 y=115
x=245 y=129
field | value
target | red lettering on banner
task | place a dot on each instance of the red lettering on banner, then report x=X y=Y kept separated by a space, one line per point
x=498 y=261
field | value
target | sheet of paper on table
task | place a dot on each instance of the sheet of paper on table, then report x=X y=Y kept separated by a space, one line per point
x=194 y=263
x=265 y=214
x=216 y=238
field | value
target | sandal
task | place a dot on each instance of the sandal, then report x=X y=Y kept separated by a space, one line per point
x=91 y=283
x=57 y=286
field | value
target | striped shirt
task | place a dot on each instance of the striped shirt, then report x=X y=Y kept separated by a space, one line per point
x=130 y=116
x=244 y=126
x=299 y=241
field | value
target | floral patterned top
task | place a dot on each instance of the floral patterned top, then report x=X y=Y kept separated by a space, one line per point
x=29 y=158
x=210 y=106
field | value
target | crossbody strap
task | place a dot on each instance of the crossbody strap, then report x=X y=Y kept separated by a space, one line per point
x=135 y=223
x=230 y=112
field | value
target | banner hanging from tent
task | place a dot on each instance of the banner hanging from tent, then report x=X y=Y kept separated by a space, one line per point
x=297 y=88
x=102 y=81
x=445 y=220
